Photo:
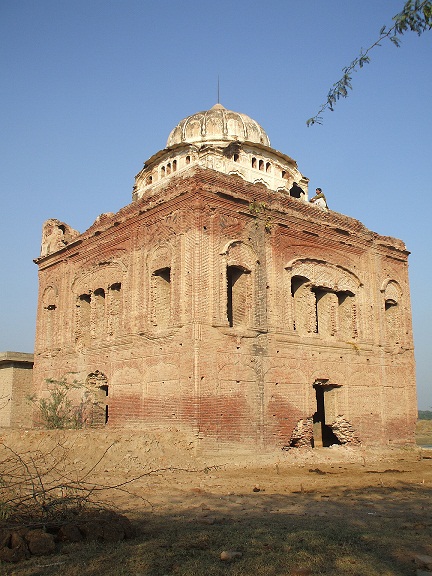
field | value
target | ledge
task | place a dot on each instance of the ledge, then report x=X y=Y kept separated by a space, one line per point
x=16 y=357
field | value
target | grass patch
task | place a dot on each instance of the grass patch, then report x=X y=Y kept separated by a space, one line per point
x=424 y=432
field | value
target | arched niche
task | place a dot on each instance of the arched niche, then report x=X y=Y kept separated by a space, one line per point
x=392 y=300
x=160 y=268
x=98 y=392
x=49 y=316
x=238 y=284
x=323 y=299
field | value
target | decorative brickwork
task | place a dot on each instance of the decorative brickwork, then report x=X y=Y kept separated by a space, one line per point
x=230 y=308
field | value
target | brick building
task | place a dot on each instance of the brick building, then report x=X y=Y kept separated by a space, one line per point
x=221 y=302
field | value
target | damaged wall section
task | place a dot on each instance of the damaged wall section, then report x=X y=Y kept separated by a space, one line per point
x=307 y=434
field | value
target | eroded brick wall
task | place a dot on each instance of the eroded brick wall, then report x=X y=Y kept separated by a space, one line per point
x=201 y=312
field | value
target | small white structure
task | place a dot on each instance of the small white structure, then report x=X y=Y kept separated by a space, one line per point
x=16 y=376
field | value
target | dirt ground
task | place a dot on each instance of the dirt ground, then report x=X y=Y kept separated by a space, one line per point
x=338 y=510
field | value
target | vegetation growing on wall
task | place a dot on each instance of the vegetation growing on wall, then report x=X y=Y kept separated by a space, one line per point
x=259 y=210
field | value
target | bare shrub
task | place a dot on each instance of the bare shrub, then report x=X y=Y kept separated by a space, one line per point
x=42 y=485
x=58 y=411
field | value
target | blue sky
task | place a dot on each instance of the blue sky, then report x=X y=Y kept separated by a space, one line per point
x=90 y=89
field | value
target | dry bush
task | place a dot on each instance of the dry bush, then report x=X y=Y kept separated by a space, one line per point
x=57 y=411
x=41 y=486
x=44 y=485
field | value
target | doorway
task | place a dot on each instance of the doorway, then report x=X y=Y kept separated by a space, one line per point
x=97 y=386
x=323 y=435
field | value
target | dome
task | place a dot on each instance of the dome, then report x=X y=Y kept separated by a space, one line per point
x=217 y=124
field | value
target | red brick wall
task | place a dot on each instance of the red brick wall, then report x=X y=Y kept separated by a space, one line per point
x=248 y=384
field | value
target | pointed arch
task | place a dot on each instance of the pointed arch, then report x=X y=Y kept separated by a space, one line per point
x=160 y=267
x=392 y=296
x=236 y=173
x=49 y=316
x=261 y=181
x=238 y=277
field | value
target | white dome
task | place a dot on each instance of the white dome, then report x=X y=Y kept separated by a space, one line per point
x=217 y=124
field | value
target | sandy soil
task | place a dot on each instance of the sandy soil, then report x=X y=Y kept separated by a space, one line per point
x=154 y=474
x=166 y=488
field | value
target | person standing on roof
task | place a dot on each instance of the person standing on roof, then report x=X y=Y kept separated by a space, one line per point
x=296 y=191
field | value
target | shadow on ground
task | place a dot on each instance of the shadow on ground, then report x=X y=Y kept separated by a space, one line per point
x=360 y=532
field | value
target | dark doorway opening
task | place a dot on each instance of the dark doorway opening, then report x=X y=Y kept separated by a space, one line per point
x=104 y=389
x=323 y=434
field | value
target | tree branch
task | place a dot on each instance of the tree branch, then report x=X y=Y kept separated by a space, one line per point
x=416 y=16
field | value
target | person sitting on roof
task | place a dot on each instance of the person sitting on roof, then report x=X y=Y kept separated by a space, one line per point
x=319 y=199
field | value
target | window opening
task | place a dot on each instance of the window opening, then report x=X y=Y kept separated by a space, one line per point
x=326 y=304
x=99 y=299
x=236 y=157
x=115 y=308
x=254 y=162
x=164 y=273
x=83 y=305
x=162 y=171
x=304 y=305
x=237 y=295
x=174 y=165
x=188 y=159
x=321 y=312
x=391 y=310
x=261 y=164
x=347 y=321
x=162 y=296
x=268 y=167
x=84 y=299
